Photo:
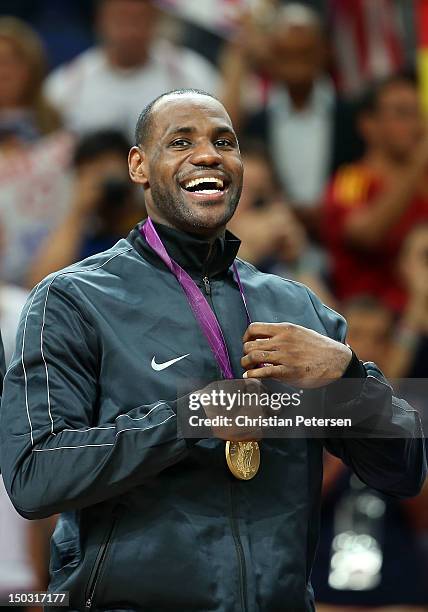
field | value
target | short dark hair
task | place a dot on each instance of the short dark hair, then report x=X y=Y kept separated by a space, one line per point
x=144 y=123
x=98 y=143
x=370 y=98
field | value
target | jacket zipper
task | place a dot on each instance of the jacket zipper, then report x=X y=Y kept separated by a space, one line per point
x=239 y=553
x=205 y=278
x=233 y=521
x=98 y=565
x=207 y=285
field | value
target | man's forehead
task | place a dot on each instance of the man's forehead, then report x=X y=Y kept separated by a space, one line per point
x=186 y=110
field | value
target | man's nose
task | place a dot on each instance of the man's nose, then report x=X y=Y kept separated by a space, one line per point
x=206 y=154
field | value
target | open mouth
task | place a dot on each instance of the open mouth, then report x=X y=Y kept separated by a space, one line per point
x=205 y=186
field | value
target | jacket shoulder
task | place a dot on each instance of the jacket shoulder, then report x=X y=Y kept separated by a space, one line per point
x=273 y=282
x=91 y=271
x=72 y=291
x=277 y=289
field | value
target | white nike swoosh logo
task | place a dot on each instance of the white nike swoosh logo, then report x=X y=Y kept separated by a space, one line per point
x=162 y=366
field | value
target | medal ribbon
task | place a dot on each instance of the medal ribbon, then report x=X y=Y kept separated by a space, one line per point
x=197 y=301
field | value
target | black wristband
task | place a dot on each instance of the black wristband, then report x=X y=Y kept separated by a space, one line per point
x=355 y=368
x=343 y=390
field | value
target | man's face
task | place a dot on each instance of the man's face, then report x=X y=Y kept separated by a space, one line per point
x=297 y=56
x=126 y=28
x=191 y=164
x=398 y=120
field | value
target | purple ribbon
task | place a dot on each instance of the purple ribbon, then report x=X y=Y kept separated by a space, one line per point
x=197 y=301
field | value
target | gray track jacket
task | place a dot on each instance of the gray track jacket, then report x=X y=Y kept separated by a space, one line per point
x=151 y=521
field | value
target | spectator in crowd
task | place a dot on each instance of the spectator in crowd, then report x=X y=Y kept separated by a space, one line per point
x=272 y=238
x=103 y=208
x=268 y=231
x=410 y=347
x=366 y=535
x=105 y=86
x=373 y=204
x=306 y=126
x=409 y=358
x=24 y=111
x=25 y=117
x=34 y=153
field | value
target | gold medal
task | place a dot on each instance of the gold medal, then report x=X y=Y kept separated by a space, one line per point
x=243 y=459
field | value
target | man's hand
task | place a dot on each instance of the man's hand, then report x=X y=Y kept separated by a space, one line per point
x=294 y=354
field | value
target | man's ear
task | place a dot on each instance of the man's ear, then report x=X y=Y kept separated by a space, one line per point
x=137 y=166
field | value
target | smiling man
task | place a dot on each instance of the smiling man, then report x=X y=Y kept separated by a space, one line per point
x=89 y=425
x=192 y=190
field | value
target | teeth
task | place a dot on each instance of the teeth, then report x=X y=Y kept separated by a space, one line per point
x=208 y=179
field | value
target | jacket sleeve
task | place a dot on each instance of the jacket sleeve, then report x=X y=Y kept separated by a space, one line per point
x=396 y=464
x=55 y=456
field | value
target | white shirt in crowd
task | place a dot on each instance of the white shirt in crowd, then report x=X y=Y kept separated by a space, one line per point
x=301 y=142
x=91 y=94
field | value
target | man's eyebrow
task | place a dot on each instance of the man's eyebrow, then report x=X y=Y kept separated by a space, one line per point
x=224 y=129
x=188 y=129
x=185 y=129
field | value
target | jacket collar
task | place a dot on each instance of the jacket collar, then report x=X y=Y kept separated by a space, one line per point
x=198 y=256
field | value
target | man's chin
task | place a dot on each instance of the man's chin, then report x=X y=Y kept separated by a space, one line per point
x=204 y=216
x=207 y=226
x=209 y=214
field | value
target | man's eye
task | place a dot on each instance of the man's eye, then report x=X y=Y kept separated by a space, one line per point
x=224 y=142
x=180 y=142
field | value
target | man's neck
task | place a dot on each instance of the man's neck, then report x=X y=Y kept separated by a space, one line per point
x=197 y=256
x=204 y=234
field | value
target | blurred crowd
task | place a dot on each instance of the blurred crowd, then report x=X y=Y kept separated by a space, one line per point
x=335 y=196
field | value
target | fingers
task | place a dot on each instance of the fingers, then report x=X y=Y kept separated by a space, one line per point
x=255 y=358
x=268 y=371
x=266 y=344
x=260 y=330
